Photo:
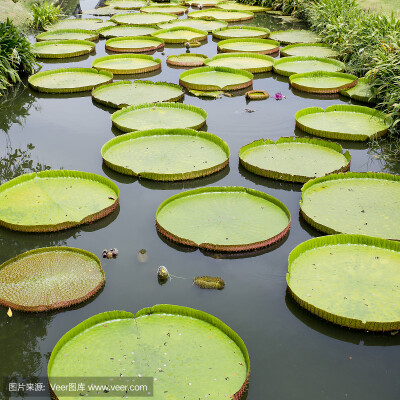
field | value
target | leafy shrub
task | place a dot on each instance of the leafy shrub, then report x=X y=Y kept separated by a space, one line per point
x=44 y=13
x=16 y=55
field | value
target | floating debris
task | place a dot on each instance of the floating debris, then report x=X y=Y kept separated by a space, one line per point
x=209 y=282
x=9 y=312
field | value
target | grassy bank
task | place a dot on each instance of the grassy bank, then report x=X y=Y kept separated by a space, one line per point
x=383 y=6
x=369 y=44
x=18 y=12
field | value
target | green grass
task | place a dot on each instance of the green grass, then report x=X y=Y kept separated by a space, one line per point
x=16 y=55
x=383 y=6
x=44 y=13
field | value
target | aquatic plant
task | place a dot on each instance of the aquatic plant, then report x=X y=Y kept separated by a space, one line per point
x=63 y=48
x=346 y=291
x=175 y=334
x=17 y=57
x=44 y=13
x=49 y=278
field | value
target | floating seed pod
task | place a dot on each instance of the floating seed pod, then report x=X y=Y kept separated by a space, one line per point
x=114 y=252
x=109 y=254
x=104 y=253
x=162 y=273
x=209 y=282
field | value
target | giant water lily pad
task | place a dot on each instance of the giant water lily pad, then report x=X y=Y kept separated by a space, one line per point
x=213 y=218
x=251 y=62
x=53 y=200
x=202 y=3
x=197 y=23
x=232 y=5
x=343 y=122
x=143 y=18
x=363 y=91
x=158 y=342
x=350 y=280
x=159 y=115
x=69 y=80
x=294 y=159
x=241 y=32
x=165 y=8
x=62 y=48
x=180 y=34
x=126 y=30
x=248 y=45
x=355 y=203
x=126 y=93
x=186 y=60
x=223 y=15
x=102 y=11
x=299 y=65
x=215 y=78
x=166 y=154
x=67 y=34
x=127 y=63
x=322 y=82
x=293 y=36
x=348 y=268
x=91 y=24
x=126 y=4
x=49 y=278
x=309 y=50
x=134 y=44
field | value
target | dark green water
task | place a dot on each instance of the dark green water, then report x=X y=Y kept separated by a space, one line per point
x=294 y=356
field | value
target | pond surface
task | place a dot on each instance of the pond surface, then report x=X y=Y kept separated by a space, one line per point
x=294 y=355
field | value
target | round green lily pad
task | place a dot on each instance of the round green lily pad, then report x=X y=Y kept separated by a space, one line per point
x=126 y=30
x=62 y=48
x=127 y=64
x=158 y=342
x=49 y=278
x=68 y=34
x=126 y=93
x=134 y=44
x=216 y=78
x=293 y=36
x=165 y=8
x=248 y=45
x=203 y=3
x=362 y=91
x=197 y=23
x=53 y=200
x=90 y=24
x=231 y=5
x=343 y=122
x=299 y=65
x=186 y=60
x=212 y=218
x=350 y=280
x=166 y=154
x=223 y=15
x=294 y=159
x=102 y=11
x=241 y=32
x=309 y=50
x=322 y=82
x=180 y=34
x=160 y=115
x=126 y=4
x=69 y=80
x=251 y=62
x=142 y=18
x=355 y=203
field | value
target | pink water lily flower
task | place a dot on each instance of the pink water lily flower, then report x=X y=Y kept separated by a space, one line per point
x=279 y=96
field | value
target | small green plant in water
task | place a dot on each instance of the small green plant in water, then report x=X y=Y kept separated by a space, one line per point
x=44 y=13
